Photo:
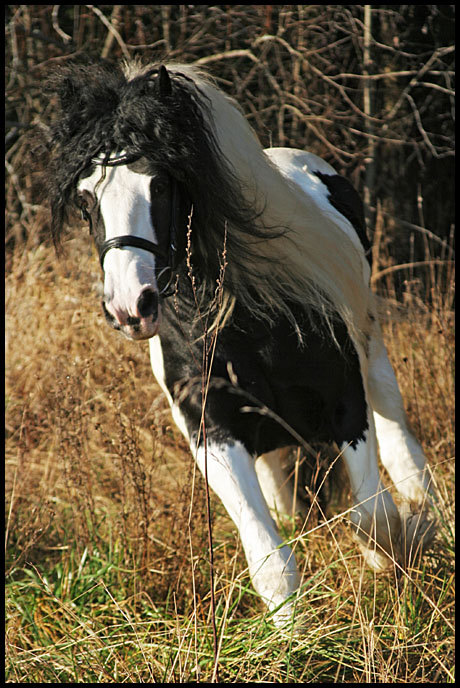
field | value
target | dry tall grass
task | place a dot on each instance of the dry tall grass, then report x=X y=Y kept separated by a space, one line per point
x=106 y=543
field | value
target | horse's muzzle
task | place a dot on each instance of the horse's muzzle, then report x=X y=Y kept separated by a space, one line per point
x=144 y=324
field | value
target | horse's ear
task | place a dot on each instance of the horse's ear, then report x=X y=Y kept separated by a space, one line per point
x=164 y=82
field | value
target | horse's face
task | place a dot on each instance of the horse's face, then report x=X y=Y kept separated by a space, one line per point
x=132 y=201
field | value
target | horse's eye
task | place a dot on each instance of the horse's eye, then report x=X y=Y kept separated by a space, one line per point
x=159 y=187
x=84 y=211
x=84 y=206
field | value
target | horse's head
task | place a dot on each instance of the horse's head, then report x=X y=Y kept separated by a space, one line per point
x=134 y=210
x=137 y=145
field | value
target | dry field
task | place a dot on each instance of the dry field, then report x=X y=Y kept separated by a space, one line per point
x=106 y=533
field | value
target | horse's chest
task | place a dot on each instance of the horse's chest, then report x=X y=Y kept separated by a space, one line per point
x=262 y=389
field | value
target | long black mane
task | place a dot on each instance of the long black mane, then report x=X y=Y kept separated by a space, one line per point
x=101 y=111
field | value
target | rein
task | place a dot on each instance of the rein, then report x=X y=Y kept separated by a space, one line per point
x=139 y=242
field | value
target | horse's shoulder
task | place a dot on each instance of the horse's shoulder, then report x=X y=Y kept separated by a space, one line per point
x=320 y=181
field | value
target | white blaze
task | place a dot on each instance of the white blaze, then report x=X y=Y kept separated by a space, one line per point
x=124 y=201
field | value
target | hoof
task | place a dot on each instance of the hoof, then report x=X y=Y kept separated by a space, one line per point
x=378 y=532
x=289 y=620
x=376 y=560
x=283 y=616
x=417 y=534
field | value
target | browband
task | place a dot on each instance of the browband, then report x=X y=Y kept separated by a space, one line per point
x=116 y=159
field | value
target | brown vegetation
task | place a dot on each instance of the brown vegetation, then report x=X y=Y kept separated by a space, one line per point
x=106 y=543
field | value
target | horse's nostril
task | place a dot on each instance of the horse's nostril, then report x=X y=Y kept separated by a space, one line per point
x=148 y=304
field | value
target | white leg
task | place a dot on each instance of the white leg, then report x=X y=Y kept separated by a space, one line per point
x=375 y=514
x=272 y=567
x=273 y=480
x=400 y=452
x=232 y=476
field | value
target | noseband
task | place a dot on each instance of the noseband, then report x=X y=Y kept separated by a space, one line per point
x=139 y=242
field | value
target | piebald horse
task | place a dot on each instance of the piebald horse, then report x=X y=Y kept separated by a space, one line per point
x=248 y=271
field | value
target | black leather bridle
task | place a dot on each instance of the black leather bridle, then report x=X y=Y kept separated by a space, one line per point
x=169 y=256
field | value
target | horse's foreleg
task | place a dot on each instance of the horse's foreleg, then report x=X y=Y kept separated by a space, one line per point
x=231 y=475
x=400 y=452
x=375 y=516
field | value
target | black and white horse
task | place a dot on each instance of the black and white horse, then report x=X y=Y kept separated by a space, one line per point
x=248 y=271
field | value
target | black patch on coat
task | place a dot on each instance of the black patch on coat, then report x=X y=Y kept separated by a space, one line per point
x=314 y=388
x=344 y=197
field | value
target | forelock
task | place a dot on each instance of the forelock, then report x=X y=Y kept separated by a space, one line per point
x=104 y=108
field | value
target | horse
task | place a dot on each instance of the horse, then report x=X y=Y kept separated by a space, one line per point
x=248 y=270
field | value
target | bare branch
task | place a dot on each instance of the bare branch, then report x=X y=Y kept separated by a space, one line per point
x=407 y=266
x=111 y=29
x=55 y=19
